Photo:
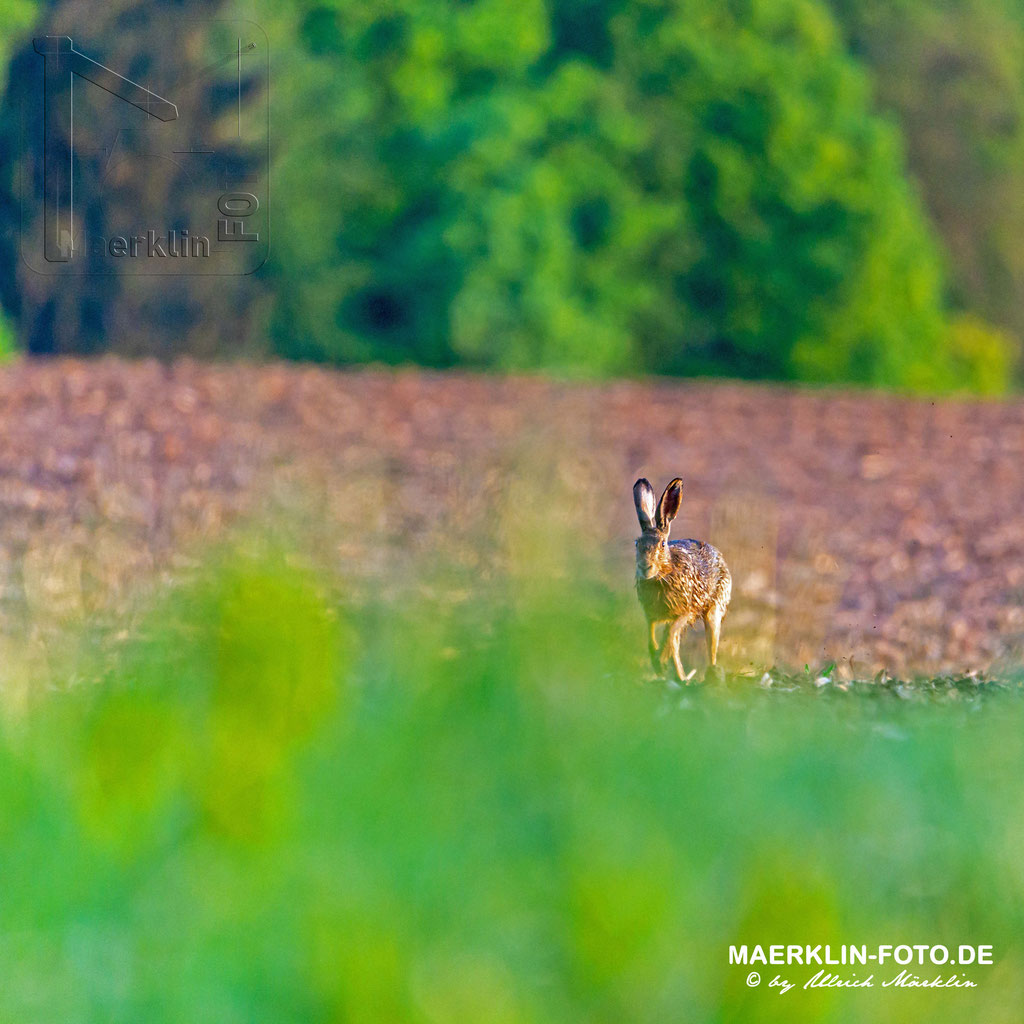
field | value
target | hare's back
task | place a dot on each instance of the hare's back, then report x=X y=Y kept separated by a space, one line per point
x=704 y=566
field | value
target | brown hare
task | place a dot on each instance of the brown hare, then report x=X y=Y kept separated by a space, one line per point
x=676 y=582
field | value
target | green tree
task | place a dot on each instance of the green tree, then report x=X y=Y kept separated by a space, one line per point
x=807 y=255
x=953 y=75
x=666 y=185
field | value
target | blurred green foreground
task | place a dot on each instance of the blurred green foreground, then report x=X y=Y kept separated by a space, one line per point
x=273 y=804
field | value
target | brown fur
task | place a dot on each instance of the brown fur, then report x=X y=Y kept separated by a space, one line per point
x=677 y=582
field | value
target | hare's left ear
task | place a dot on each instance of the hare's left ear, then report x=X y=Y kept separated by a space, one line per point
x=668 y=507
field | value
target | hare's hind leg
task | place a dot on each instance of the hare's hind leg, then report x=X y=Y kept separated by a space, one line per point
x=712 y=629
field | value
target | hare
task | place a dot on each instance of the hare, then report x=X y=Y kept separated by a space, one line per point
x=676 y=582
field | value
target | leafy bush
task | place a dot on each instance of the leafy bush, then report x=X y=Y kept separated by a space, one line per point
x=7 y=345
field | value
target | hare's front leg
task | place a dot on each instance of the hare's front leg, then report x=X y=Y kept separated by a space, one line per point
x=653 y=647
x=671 y=648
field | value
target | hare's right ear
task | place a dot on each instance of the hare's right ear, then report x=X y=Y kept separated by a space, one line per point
x=643 y=498
x=668 y=507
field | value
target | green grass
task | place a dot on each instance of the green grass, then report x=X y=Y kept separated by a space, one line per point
x=275 y=805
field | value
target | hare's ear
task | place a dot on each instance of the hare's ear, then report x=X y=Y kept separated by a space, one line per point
x=643 y=498
x=668 y=507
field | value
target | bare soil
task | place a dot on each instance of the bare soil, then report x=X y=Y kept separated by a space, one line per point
x=877 y=531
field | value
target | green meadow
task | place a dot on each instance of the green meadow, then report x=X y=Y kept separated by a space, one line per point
x=274 y=801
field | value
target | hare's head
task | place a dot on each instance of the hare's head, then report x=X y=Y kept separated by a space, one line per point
x=652 y=544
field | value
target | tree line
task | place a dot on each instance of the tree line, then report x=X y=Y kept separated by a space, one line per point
x=819 y=190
